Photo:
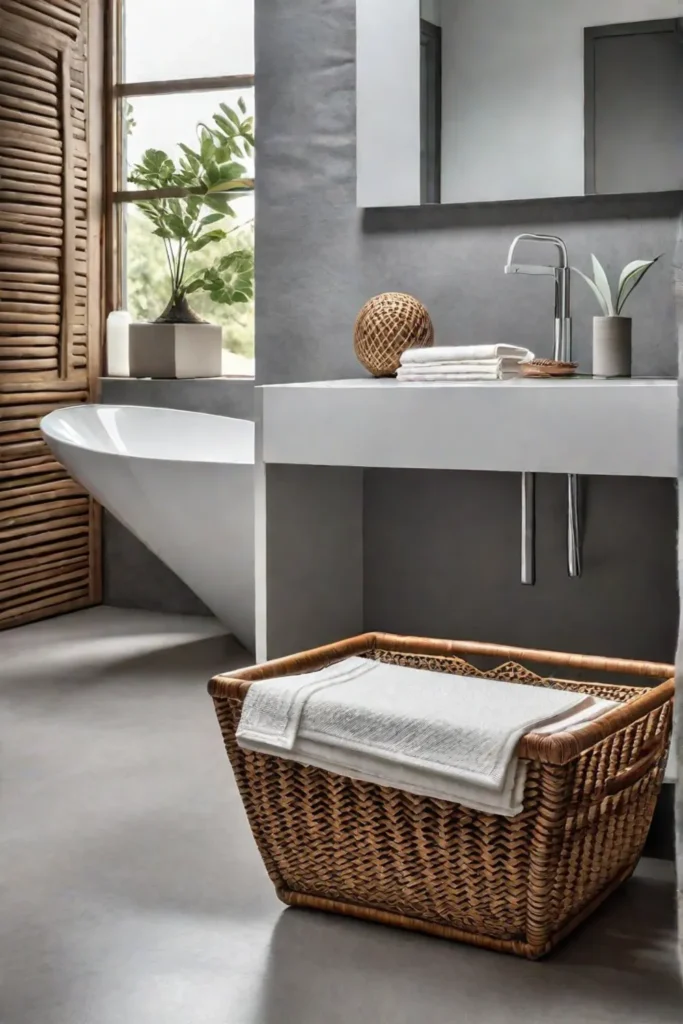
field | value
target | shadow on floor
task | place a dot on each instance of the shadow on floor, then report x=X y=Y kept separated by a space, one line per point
x=619 y=967
x=89 y=666
x=212 y=654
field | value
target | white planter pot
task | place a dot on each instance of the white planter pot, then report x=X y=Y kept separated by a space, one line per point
x=612 y=346
x=175 y=350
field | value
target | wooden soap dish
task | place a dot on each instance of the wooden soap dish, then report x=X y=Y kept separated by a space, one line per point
x=548 y=368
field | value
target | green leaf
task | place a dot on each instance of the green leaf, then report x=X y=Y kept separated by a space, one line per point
x=629 y=269
x=230 y=113
x=154 y=158
x=242 y=105
x=219 y=203
x=176 y=226
x=190 y=153
x=231 y=170
x=194 y=206
x=594 y=288
x=226 y=126
x=243 y=184
x=237 y=255
x=600 y=278
x=213 y=175
x=210 y=218
x=631 y=275
x=207 y=147
x=196 y=244
x=149 y=209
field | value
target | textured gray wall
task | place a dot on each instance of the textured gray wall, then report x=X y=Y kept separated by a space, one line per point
x=133 y=576
x=319 y=258
x=442 y=550
x=223 y=397
x=442 y=559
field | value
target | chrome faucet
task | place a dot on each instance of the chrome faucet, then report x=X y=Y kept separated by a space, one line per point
x=562 y=350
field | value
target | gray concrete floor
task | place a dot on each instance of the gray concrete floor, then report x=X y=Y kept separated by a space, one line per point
x=131 y=891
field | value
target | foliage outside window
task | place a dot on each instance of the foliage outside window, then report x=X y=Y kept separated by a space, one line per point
x=189 y=254
x=204 y=179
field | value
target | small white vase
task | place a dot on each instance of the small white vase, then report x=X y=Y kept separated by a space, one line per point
x=118 y=327
x=176 y=350
x=612 y=346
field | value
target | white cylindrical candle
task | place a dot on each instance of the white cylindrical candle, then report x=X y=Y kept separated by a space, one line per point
x=118 y=364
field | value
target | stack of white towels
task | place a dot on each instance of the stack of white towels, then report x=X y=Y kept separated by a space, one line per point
x=450 y=737
x=463 y=362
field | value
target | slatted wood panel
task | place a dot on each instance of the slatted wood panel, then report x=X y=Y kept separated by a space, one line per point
x=49 y=302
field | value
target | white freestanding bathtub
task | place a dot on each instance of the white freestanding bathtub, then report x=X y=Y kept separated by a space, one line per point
x=183 y=483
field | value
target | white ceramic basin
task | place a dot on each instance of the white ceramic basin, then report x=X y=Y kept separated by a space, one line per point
x=182 y=482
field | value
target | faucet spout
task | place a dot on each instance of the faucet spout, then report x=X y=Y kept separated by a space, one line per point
x=530 y=237
x=562 y=347
x=562 y=350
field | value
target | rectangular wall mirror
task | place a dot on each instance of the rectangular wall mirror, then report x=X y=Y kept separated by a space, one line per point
x=462 y=101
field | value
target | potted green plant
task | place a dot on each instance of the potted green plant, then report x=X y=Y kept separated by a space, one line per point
x=196 y=192
x=612 y=332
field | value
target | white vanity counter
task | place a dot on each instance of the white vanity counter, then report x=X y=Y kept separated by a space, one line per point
x=620 y=427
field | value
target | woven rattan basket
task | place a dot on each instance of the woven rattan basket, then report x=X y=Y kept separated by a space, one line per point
x=518 y=884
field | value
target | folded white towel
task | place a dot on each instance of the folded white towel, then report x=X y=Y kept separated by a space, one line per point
x=272 y=709
x=456 y=366
x=479 y=369
x=483 y=374
x=438 y=735
x=464 y=353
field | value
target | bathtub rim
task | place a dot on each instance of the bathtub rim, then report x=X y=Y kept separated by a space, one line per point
x=128 y=455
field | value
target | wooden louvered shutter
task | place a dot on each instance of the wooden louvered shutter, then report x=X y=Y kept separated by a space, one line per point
x=49 y=300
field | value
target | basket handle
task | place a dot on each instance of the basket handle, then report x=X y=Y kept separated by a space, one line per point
x=635 y=773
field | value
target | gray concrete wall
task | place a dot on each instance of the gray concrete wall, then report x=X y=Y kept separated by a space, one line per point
x=319 y=258
x=442 y=550
x=218 y=395
x=459 y=575
x=133 y=576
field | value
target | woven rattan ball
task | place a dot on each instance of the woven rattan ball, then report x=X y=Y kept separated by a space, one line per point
x=385 y=327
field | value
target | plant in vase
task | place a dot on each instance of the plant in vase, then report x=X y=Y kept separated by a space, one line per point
x=195 y=198
x=612 y=332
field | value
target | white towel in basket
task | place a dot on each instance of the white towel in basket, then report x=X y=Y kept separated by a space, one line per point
x=446 y=736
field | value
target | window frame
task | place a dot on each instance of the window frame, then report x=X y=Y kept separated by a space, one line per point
x=116 y=91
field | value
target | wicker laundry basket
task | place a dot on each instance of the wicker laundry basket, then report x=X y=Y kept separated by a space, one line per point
x=518 y=885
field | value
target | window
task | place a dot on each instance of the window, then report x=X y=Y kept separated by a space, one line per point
x=171 y=75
